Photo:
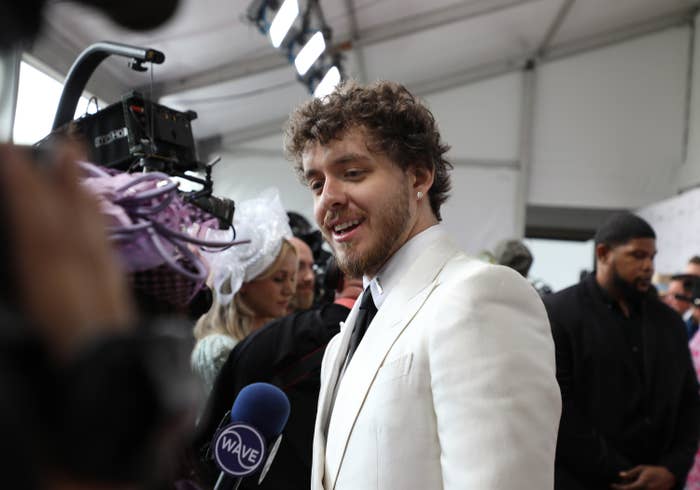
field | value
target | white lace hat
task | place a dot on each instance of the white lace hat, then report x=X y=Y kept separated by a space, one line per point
x=262 y=220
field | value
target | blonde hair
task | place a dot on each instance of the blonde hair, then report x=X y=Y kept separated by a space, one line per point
x=235 y=319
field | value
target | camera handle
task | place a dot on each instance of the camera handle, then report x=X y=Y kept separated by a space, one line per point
x=85 y=65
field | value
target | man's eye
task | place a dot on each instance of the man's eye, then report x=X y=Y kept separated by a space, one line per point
x=315 y=185
x=352 y=174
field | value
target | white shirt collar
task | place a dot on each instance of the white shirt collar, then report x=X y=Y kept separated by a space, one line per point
x=390 y=274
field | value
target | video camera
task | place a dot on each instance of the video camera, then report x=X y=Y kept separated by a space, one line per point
x=136 y=134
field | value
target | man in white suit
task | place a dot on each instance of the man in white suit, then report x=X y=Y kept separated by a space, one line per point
x=453 y=383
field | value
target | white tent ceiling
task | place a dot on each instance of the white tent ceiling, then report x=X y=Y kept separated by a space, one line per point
x=242 y=88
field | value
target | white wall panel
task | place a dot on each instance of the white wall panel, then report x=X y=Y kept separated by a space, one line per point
x=480 y=120
x=609 y=124
x=244 y=173
x=481 y=123
x=480 y=211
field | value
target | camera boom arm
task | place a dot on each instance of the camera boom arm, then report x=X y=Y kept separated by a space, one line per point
x=85 y=65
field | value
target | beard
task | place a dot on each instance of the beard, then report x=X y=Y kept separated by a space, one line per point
x=628 y=290
x=390 y=226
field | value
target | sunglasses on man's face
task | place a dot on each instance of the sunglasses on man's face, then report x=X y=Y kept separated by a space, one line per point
x=687 y=299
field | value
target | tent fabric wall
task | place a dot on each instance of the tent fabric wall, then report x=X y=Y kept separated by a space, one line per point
x=480 y=211
x=609 y=124
x=596 y=144
x=482 y=124
x=249 y=169
x=480 y=120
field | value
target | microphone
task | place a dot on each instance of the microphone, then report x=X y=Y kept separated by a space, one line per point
x=249 y=443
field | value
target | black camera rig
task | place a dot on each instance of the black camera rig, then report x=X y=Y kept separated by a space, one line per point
x=136 y=134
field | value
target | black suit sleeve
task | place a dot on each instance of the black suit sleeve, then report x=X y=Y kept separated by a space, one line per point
x=681 y=455
x=580 y=447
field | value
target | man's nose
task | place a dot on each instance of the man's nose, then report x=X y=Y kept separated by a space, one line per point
x=332 y=195
x=309 y=276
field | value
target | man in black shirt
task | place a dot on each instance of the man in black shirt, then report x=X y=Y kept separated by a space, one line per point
x=631 y=410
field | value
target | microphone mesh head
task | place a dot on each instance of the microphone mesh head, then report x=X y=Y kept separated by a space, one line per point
x=264 y=406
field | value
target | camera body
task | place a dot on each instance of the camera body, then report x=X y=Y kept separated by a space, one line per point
x=136 y=128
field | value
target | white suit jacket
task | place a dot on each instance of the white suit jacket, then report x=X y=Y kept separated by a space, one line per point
x=452 y=387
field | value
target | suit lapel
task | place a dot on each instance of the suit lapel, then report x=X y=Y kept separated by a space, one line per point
x=336 y=362
x=400 y=306
x=335 y=357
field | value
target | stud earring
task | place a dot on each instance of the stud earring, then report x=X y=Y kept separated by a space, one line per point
x=419 y=195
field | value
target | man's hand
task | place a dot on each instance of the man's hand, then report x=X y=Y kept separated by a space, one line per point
x=68 y=283
x=645 y=477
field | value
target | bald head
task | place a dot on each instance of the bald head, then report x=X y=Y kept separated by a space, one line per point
x=304 y=297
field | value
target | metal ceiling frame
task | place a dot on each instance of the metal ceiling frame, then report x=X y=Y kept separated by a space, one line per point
x=486 y=71
x=556 y=52
x=622 y=34
x=354 y=38
x=361 y=38
x=689 y=88
x=525 y=146
x=527 y=118
x=554 y=28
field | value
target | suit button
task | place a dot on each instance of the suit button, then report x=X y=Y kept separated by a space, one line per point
x=635 y=349
x=647 y=420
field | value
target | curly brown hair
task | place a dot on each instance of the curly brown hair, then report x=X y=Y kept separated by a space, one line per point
x=400 y=126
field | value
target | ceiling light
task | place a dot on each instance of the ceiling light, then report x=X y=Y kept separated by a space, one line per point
x=310 y=53
x=283 y=21
x=328 y=84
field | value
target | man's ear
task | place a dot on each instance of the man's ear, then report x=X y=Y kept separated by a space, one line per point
x=602 y=252
x=423 y=178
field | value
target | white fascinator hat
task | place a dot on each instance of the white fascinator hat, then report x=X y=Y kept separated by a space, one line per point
x=262 y=220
